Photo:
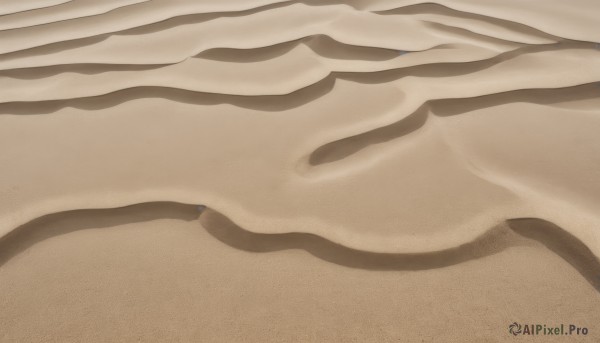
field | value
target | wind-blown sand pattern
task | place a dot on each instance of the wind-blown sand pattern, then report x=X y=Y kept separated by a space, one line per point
x=441 y=150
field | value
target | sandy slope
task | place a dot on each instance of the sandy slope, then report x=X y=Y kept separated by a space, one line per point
x=452 y=138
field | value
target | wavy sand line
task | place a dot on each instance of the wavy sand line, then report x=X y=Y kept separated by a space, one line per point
x=138 y=15
x=157 y=13
x=297 y=68
x=264 y=103
x=222 y=228
x=342 y=235
x=487 y=26
x=263 y=192
x=49 y=201
x=351 y=170
x=557 y=18
x=555 y=52
x=428 y=71
x=68 y=11
x=155 y=265
x=575 y=98
x=27 y=60
x=12 y=7
x=546 y=69
x=400 y=33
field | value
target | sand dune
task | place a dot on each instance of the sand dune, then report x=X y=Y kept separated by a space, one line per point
x=283 y=167
x=386 y=136
x=127 y=255
x=299 y=66
x=236 y=31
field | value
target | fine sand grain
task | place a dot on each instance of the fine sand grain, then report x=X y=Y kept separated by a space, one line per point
x=306 y=171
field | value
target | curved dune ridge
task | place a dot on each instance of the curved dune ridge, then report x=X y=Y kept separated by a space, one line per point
x=162 y=271
x=384 y=126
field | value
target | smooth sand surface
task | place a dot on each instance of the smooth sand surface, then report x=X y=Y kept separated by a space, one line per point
x=372 y=170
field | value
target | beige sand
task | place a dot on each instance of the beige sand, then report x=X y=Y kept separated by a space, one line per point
x=440 y=161
x=154 y=273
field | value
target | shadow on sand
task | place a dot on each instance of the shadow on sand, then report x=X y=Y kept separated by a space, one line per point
x=516 y=232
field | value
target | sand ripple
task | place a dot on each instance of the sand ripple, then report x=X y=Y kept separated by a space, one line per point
x=387 y=126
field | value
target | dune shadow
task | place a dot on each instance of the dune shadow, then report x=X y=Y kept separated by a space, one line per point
x=52 y=48
x=345 y=147
x=36 y=73
x=321 y=44
x=326 y=46
x=35 y=7
x=57 y=224
x=547 y=96
x=262 y=54
x=342 y=148
x=562 y=243
x=442 y=70
x=143 y=29
x=223 y=229
x=197 y=18
x=439 y=9
x=516 y=232
x=266 y=103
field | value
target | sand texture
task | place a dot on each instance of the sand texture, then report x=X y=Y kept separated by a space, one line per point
x=298 y=171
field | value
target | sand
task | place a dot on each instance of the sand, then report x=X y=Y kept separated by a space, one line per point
x=367 y=170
